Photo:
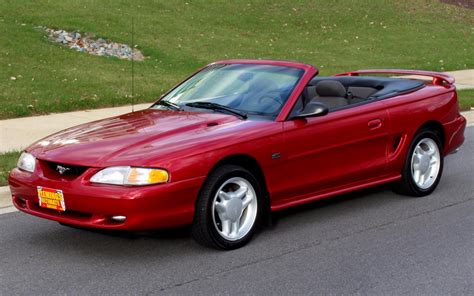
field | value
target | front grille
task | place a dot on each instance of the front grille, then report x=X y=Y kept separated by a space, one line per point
x=65 y=170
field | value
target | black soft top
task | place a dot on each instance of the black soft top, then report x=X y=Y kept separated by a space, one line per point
x=386 y=87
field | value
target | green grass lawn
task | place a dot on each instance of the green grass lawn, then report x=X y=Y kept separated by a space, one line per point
x=179 y=37
x=7 y=163
x=466 y=99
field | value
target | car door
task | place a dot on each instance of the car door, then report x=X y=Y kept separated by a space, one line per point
x=343 y=148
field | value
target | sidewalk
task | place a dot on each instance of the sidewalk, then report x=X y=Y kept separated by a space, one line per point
x=6 y=205
x=464 y=78
x=469 y=115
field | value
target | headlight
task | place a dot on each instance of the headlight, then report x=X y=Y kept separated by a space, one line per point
x=125 y=175
x=26 y=162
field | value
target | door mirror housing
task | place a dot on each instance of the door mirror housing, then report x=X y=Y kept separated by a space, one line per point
x=312 y=109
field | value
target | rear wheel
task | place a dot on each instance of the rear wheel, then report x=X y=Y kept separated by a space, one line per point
x=228 y=209
x=423 y=166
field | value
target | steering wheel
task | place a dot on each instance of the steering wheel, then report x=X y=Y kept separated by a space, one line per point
x=270 y=98
x=270 y=103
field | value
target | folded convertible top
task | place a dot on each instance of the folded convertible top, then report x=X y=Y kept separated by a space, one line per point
x=387 y=87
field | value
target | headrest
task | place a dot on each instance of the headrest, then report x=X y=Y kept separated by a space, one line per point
x=330 y=88
x=309 y=91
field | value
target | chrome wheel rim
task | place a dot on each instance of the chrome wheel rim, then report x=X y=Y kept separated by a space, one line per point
x=234 y=208
x=425 y=163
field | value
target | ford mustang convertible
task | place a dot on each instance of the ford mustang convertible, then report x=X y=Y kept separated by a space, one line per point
x=239 y=139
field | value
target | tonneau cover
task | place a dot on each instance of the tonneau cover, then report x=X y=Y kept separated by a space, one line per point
x=387 y=87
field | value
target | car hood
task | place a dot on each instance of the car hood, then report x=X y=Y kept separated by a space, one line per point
x=131 y=138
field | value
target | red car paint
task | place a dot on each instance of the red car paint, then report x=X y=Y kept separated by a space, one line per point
x=301 y=160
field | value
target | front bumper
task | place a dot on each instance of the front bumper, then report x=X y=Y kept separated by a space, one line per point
x=93 y=205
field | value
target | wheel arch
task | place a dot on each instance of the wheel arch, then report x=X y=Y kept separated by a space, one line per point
x=437 y=127
x=251 y=164
x=247 y=162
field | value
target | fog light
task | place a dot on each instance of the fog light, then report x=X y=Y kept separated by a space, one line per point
x=21 y=202
x=119 y=219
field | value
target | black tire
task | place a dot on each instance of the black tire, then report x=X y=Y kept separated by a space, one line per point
x=407 y=185
x=203 y=229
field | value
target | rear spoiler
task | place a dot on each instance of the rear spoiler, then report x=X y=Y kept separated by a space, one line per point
x=438 y=78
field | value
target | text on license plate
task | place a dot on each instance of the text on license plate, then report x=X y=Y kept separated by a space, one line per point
x=51 y=198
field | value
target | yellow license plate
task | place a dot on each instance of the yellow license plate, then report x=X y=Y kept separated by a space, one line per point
x=51 y=198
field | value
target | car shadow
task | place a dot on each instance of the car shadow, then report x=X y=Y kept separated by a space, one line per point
x=170 y=233
x=271 y=222
x=360 y=195
x=166 y=243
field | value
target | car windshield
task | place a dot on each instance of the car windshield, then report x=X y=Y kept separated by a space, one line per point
x=249 y=88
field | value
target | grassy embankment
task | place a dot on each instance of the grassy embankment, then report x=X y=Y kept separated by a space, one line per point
x=178 y=37
x=7 y=162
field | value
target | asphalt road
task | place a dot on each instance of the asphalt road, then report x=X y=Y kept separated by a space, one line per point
x=371 y=242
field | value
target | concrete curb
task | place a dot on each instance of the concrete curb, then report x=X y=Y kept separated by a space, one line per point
x=469 y=115
x=6 y=205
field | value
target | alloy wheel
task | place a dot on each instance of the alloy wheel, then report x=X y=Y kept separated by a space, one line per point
x=425 y=163
x=234 y=208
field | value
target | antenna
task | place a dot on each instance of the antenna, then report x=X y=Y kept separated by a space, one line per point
x=133 y=72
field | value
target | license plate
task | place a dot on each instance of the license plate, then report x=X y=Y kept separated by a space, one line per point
x=51 y=198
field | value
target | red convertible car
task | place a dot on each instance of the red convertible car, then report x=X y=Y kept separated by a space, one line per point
x=237 y=140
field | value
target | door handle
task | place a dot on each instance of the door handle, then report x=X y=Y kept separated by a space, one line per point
x=374 y=124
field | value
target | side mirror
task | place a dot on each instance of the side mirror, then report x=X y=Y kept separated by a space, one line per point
x=312 y=110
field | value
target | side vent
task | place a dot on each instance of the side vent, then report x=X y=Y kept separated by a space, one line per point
x=396 y=144
x=396 y=148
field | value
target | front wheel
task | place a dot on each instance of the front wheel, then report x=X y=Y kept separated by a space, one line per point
x=423 y=166
x=228 y=209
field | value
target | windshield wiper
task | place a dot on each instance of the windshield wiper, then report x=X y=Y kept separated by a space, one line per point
x=217 y=107
x=170 y=105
